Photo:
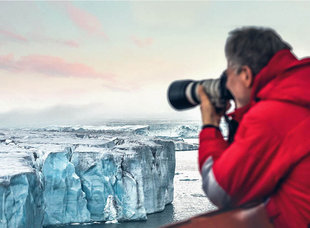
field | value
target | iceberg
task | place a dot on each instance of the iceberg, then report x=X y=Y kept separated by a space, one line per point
x=65 y=175
x=20 y=189
x=180 y=145
x=64 y=199
x=134 y=178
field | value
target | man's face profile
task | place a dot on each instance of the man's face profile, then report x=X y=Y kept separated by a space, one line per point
x=239 y=84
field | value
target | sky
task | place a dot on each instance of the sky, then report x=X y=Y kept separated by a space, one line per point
x=85 y=62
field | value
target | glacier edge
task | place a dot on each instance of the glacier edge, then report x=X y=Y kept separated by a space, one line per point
x=120 y=180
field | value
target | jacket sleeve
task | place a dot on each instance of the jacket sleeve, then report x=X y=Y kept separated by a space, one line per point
x=242 y=171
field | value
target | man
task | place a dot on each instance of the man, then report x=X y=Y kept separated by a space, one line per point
x=269 y=158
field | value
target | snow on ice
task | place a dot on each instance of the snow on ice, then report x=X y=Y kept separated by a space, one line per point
x=63 y=175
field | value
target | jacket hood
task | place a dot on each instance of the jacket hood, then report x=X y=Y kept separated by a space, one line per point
x=285 y=78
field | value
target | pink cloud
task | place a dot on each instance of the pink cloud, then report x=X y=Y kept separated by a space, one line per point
x=84 y=20
x=6 y=63
x=68 y=43
x=12 y=36
x=142 y=42
x=49 y=65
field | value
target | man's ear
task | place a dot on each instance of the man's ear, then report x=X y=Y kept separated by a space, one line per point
x=247 y=76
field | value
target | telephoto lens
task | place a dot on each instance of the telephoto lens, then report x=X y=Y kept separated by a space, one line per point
x=183 y=94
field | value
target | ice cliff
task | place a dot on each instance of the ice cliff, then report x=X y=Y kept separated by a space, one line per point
x=21 y=201
x=65 y=175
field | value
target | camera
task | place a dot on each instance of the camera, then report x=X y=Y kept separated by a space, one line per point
x=183 y=94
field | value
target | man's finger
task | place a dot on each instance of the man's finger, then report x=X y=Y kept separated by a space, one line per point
x=203 y=96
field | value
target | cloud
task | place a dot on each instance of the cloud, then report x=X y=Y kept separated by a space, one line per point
x=6 y=63
x=89 y=114
x=142 y=42
x=68 y=43
x=83 y=19
x=12 y=36
x=55 y=115
x=50 y=65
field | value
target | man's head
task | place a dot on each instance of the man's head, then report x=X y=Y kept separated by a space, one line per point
x=247 y=51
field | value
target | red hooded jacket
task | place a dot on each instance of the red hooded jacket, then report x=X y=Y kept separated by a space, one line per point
x=269 y=158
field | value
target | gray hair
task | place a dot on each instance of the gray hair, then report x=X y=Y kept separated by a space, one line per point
x=252 y=46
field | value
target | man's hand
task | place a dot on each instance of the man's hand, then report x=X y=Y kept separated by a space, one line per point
x=208 y=113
